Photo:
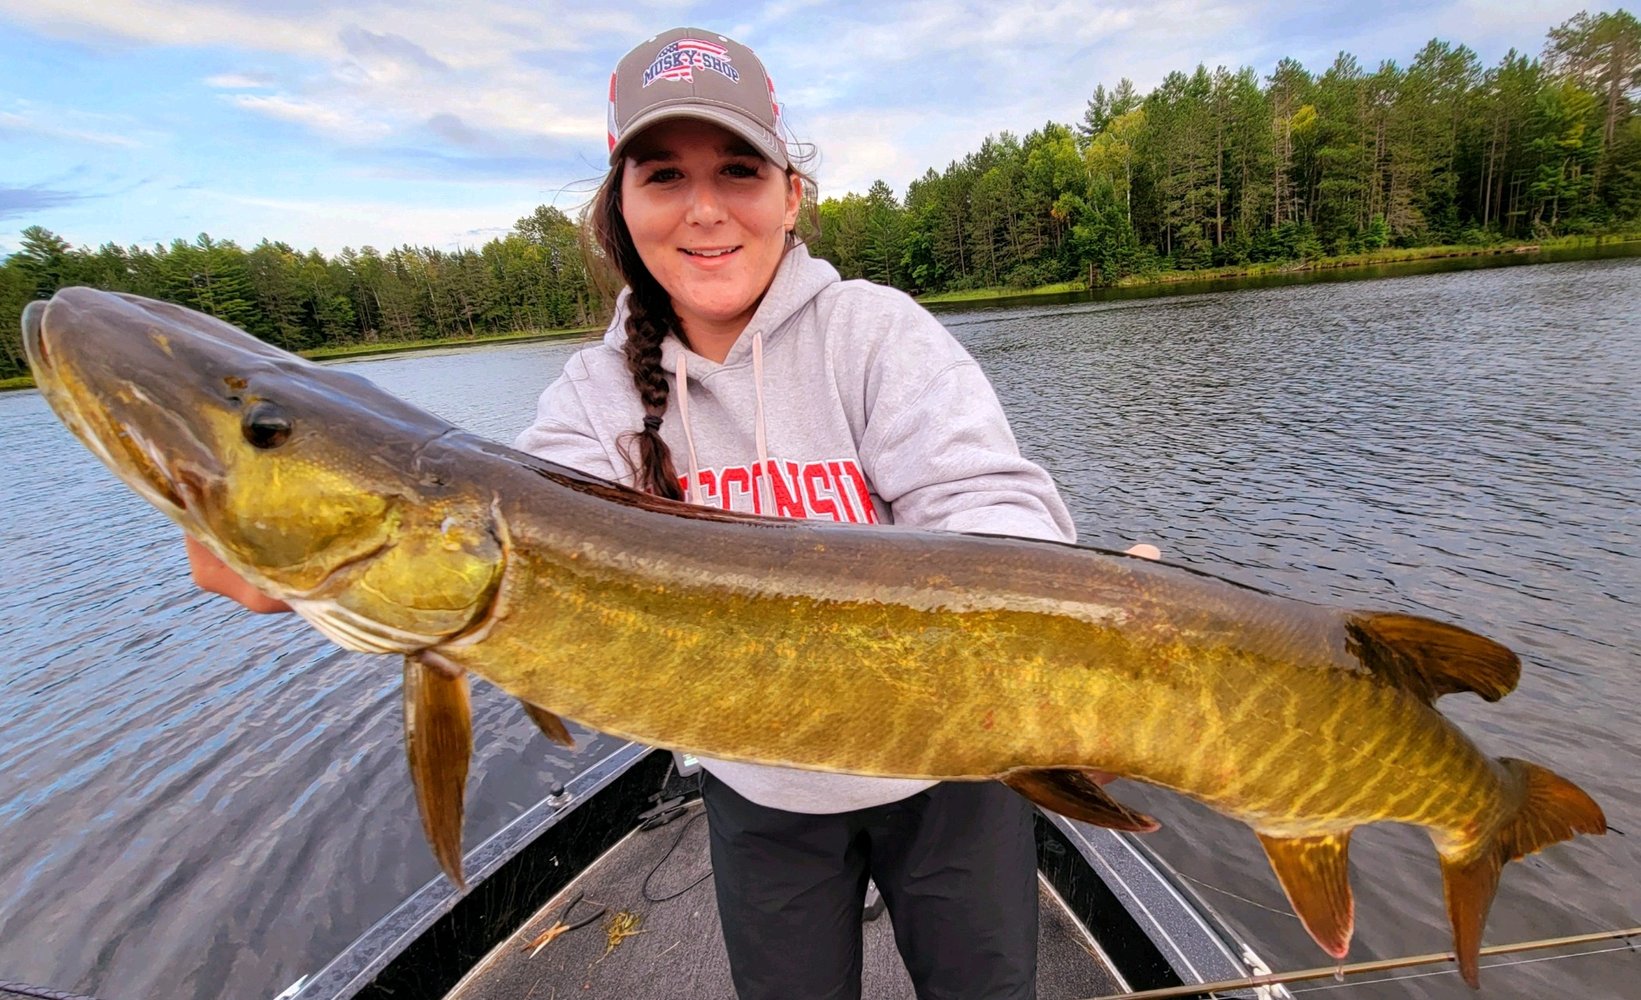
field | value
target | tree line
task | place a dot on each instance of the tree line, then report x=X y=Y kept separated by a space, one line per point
x=1220 y=168
x=534 y=278
x=1212 y=168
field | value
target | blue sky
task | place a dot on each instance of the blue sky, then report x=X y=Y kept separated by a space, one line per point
x=349 y=123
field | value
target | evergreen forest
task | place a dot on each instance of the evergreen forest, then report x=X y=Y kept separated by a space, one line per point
x=1213 y=168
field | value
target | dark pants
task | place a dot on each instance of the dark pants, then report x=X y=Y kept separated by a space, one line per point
x=956 y=865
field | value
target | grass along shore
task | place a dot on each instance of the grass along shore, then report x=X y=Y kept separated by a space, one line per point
x=1370 y=258
x=401 y=346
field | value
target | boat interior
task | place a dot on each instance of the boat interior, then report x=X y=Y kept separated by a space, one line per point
x=603 y=890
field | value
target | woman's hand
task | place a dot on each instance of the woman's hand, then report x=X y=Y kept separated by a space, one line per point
x=214 y=575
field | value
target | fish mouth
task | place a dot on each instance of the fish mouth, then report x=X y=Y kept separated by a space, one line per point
x=139 y=463
x=120 y=446
x=146 y=465
x=34 y=346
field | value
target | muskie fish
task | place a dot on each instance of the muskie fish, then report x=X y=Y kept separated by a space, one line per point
x=869 y=650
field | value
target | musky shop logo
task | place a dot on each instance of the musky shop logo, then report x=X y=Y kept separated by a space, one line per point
x=679 y=60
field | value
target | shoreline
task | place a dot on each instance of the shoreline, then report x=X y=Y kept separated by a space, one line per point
x=1534 y=252
x=353 y=351
x=1161 y=283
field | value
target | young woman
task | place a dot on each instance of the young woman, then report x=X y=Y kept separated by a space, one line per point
x=740 y=372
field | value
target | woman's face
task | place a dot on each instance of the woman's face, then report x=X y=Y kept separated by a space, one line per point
x=709 y=218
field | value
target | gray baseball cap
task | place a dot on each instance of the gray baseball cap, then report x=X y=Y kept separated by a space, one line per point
x=700 y=74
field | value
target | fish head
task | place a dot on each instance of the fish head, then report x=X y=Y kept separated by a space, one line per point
x=315 y=485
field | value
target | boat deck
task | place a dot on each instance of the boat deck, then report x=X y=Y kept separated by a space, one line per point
x=678 y=950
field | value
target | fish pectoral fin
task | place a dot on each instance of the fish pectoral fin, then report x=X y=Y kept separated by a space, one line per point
x=1075 y=793
x=550 y=725
x=1431 y=658
x=438 y=745
x=1315 y=873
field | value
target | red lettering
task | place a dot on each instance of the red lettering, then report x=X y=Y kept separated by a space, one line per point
x=836 y=468
x=788 y=501
x=862 y=497
x=835 y=490
x=732 y=478
x=817 y=486
x=709 y=488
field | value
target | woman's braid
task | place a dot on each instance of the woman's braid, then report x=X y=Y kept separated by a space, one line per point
x=649 y=319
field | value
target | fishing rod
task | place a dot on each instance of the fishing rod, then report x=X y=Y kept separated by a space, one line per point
x=1381 y=965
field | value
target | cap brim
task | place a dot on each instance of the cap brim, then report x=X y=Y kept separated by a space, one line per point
x=764 y=141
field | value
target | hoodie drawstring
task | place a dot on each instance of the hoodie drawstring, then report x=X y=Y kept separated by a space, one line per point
x=758 y=429
x=693 y=492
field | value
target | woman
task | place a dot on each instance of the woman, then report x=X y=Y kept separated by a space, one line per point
x=780 y=389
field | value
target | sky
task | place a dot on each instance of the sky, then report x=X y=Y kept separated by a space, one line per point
x=345 y=123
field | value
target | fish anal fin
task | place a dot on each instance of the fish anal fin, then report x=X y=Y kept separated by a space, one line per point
x=1076 y=793
x=1431 y=658
x=1552 y=809
x=550 y=725
x=438 y=746
x=1468 y=887
x=1315 y=874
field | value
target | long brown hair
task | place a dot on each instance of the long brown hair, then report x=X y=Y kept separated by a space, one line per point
x=650 y=317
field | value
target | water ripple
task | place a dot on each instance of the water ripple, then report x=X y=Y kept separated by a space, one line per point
x=202 y=802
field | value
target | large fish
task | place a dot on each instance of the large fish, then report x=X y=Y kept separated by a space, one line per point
x=868 y=650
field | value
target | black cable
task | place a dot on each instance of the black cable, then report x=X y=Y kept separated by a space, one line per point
x=580 y=922
x=664 y=858
x=25 y=990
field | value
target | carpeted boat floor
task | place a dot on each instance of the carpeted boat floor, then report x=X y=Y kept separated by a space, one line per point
x=678 y=950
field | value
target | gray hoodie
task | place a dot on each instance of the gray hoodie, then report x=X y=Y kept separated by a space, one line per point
x=840 y=399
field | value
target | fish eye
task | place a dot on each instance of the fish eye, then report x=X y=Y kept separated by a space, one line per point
x=265 y=425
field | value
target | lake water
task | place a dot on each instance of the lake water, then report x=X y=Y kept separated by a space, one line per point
x=199 y=802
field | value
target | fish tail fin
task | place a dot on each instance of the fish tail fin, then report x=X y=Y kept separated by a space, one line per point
x=1551 y=809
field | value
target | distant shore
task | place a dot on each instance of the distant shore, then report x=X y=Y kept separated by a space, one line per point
x=1159 y=281
x=401 y=346
x=1375 y=258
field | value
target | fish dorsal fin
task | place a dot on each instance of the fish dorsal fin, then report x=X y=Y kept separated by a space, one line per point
x=438 y=744
x=1315 y=873
x=1074 y=792
x=550 y=725
x=1431 y=658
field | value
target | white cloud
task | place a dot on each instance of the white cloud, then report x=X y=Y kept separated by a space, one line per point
x=239 y=81
x=1477 y=22
x=55 y=128
x=313 y=115
x=474 y=35
x=170 y=22
x=1488 y=27
x=858 y=147
x=331 y=224
x=411 y=63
